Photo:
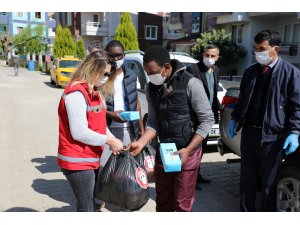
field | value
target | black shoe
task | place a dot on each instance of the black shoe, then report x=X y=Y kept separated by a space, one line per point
x=200 y=179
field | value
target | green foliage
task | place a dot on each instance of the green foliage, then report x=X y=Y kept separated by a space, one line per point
x=126 y=32
x=80 y=51
x=23 y=43
x=230 y=52
x=63 y=42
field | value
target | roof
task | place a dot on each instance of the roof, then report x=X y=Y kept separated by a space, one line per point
x=191 y=39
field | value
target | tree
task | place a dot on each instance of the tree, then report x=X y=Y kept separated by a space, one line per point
x=63 y=42
x=29 y=40
x=230 y=52
x=126 y=32
x=80 y=51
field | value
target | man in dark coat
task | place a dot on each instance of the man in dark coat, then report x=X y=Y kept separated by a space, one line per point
x=268 y=109
x=206 y=71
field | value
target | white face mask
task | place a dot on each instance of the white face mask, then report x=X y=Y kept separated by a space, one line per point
x=157 y=79
x=208 y=61
x=263 y=57
x=119 y=63
x=102 y=81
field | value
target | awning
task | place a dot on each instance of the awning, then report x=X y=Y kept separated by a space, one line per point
x=188 y=40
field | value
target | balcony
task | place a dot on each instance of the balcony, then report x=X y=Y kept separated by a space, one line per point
x=290 y=51
x=51 y=23
x=94 y=29
x=3 y=18
x=171 y=35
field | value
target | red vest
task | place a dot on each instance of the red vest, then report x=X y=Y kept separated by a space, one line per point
x=72 y=154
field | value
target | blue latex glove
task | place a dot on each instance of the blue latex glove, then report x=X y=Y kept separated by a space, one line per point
x=231 y=128
x=291 y=143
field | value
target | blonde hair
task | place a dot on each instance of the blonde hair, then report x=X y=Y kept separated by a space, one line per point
x=91 y=70
x=108 y=88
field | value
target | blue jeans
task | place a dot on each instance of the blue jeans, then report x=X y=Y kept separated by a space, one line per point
x=82 y=183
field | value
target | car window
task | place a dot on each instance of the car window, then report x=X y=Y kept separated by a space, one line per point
x=138 y=69
x=68 y=63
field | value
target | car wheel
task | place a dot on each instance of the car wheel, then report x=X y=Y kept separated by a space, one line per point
x=288 y=189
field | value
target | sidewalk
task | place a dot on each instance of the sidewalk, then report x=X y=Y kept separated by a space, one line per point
x=30 y=177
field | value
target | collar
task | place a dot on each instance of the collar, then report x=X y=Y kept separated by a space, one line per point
x=273 y=63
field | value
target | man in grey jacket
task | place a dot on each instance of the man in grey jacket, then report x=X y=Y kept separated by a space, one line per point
x=178 y=112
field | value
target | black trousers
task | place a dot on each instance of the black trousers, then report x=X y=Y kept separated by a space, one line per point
x=257 y=157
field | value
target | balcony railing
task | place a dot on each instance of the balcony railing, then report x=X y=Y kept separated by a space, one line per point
x=94 y=28
x=290 y=48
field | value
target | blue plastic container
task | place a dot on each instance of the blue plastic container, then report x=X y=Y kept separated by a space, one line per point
x=171 y=163
x=130 y=115
x=30 y=65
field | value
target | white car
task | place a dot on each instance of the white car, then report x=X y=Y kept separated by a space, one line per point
x=134 y=61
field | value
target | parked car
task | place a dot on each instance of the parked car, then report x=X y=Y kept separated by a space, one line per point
x=61 y=70
x=134 y=61
x=288 y=181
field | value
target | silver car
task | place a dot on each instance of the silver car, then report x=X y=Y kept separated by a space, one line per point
x=288 y=181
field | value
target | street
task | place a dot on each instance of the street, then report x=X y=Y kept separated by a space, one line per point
x=30 y=177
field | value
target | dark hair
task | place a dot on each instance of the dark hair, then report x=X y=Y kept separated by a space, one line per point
x=210 y=46
x=95 y=45
x=158 y=54
x=268 y=35
x=114 y=43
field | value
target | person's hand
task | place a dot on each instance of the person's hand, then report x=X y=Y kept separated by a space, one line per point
x=230 y=129
x=135 y=148
x=116 y=116
x=291 y=143
x=115 y=145
x=184 y=154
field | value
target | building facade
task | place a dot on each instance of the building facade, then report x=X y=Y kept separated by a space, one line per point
x=92 y=26
x=244 y=26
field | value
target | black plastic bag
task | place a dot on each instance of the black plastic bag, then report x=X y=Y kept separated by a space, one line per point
x=146 y=158
x=123 y=182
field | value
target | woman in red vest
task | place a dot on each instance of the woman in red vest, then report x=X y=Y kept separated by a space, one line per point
x=82 y=128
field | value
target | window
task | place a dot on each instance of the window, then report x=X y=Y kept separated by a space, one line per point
x=38 y=15
x=195 y=28
x=151 y=32
x=19 y=29
x=69 y=19
x=291 y=33
x=19 y=14
x=4 y=28
x=96 y=20
x=237 y=33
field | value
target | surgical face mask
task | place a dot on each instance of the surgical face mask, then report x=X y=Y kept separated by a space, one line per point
x=157 y=79
x=102 y=81
x=263 y=57
x=119 y=63
x=208 y=61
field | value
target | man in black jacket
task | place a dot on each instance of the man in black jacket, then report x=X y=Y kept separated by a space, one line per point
x=268 y=109
x=208 y=73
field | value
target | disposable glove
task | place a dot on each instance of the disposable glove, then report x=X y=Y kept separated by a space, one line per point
x=291 y=143
x=231 y=127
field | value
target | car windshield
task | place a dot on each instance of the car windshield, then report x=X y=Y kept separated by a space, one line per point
x=68 y=63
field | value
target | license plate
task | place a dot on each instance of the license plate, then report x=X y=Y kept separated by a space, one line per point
x=214 y=131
